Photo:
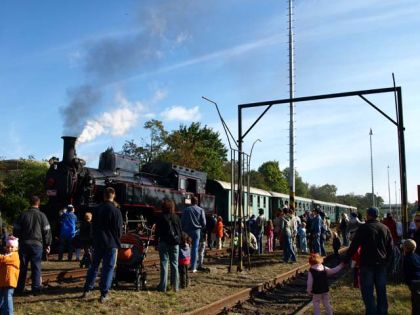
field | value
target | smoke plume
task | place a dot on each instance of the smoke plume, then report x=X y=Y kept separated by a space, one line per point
x=162 y=29
x=116 y=122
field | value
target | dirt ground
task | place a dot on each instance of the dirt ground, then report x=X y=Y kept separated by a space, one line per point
x=206 y=287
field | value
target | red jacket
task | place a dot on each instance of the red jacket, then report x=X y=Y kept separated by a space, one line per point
x=392 y=226
x=219 y=229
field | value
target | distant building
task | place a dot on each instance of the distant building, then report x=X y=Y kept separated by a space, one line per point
x=395 y=210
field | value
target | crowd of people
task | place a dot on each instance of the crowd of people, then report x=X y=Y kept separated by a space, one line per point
x=182 y=242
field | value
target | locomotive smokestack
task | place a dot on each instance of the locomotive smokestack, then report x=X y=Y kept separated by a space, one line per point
x=69 y=149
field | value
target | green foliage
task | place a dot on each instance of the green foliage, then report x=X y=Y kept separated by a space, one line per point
x=198 y=148
x=360 y=201
x=151 y=149
x=18 y=181
x=325 y=192
x=257 y=180
x=192 y=146
x=273 y=176
x=301 y=188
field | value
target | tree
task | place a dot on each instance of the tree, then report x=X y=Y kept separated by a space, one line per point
x=273 y=177
x=198 y=148
x=301 y=188
x=19 y=180
x=148 y=150
x=325 y=192
x=361 y=202
x=257 y=180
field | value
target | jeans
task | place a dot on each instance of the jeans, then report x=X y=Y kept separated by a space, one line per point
x=108 y=256
x=201 y=252
x=6 y=301
x=322 y=245
x=325 y=299
x=288 y=252
x=195 y=236
x=316 y=243
x=370 y=277
x=30 y=253
x=168 y=254
x=183 y=276
x=66 y=244
x=260 y=242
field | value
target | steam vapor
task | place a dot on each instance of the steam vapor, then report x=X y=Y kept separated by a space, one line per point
x=161 y=30
x=116 y=122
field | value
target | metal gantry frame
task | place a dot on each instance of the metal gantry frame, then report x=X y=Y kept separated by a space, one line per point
x=399 y=123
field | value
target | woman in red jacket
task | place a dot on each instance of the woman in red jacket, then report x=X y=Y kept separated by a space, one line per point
x=219 y=232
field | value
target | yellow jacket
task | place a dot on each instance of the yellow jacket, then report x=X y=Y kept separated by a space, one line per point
x=9 y=270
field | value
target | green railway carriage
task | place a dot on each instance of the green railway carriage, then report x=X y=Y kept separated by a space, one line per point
x=269 y=201
x=258 y=199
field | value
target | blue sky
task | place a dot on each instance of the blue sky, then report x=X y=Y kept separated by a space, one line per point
x=100 y=69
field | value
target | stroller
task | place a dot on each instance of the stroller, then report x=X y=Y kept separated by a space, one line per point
x=130 y=260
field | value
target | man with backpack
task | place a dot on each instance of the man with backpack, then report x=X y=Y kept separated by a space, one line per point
x=260 y=226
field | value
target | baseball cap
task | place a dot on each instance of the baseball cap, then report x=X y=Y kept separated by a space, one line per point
x=373 y=212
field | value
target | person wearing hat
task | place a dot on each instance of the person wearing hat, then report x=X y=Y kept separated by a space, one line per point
x=375 y=241
x=411 y=268
x=67 y=232
x=9 y=274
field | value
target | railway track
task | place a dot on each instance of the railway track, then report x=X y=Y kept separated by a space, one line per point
x=76 y=274
x=284 y=294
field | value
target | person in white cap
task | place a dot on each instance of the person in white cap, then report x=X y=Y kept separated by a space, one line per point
x=9 y=274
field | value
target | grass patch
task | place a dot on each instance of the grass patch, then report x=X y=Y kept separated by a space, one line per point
x=346 y=300
x=204 y=289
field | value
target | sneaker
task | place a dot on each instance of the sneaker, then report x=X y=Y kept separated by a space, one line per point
x=194 y=270
x=103 y=299
x=86 y=294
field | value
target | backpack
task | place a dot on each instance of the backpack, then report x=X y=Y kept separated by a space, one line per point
x=174 y=236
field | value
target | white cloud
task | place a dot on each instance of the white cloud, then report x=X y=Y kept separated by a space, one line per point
x=116 y=123
x=181 y=113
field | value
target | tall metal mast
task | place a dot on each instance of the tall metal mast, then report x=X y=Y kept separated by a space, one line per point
x=292 y=111
x=371 y=167
x=389 y=192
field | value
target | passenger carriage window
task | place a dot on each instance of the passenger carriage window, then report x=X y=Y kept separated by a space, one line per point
x=258 y=201
x=264 y=201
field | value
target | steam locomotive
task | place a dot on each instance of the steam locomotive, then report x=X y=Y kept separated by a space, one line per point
x=139 y=193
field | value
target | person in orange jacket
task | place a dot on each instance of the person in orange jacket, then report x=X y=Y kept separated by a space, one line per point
x=219 y=232
x=9 y=274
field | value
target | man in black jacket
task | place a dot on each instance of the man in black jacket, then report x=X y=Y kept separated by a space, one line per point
x=34 y=233
x=107 y=225
x=375 y=241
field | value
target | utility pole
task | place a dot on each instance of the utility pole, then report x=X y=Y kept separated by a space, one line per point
x=371 y=167
x=389 y=192
x=292 y=111
x=396 y=199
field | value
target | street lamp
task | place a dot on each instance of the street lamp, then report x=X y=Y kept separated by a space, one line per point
x=250 y=154
x=249 y=170
x=371 y=167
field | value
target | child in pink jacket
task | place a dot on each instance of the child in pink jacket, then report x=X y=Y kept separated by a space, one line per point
x=317 y=283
